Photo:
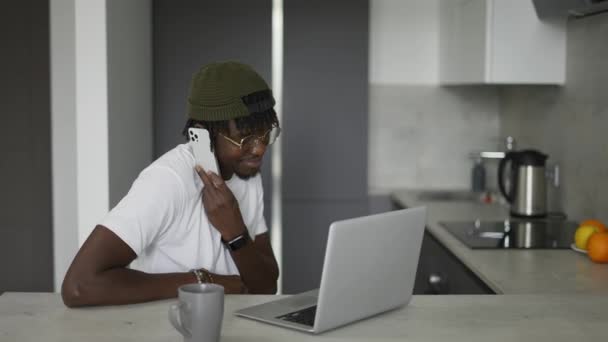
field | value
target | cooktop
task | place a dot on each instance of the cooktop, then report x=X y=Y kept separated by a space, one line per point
x=514 y=233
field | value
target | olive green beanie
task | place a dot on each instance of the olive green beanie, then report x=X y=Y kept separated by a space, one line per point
x=217 y=91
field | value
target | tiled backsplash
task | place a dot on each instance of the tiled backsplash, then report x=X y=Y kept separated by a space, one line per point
x=570 y=123
x=421 y=135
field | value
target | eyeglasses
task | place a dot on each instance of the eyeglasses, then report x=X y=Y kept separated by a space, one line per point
x=268 y=138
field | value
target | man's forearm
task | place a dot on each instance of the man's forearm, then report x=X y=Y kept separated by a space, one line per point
x=258 y=271
x=122 y=286
x=126 y=286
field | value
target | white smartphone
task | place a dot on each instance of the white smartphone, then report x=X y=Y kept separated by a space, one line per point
x=201 y=147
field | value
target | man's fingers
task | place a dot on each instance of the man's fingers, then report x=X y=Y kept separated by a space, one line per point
x=209 y=195
x=217 y=181
x=202 y=174
x=209 y=178
x=205 y=177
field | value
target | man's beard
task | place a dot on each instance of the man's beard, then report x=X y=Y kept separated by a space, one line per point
x=246 y=176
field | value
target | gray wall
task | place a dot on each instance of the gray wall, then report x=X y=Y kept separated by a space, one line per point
x=193 y=33
x=26 y=257
x=129 y=35
x=325 y=120
x=569 y=123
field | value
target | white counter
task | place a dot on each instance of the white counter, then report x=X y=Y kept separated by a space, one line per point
x=36 y=317
x=548 y=271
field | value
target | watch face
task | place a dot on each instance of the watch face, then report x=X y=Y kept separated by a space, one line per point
x=238 y=242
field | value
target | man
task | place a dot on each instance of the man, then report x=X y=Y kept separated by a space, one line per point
x=180 y=224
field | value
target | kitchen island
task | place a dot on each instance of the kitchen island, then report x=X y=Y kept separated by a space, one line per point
x=26 y=317
x=510 y=271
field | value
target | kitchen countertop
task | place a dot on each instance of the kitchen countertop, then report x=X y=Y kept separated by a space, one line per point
x=37 y=317
x=540 y=271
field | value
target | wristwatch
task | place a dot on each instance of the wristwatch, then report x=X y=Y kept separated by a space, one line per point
x=238 y=242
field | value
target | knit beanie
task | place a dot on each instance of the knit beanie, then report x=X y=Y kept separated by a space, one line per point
x=218 y=90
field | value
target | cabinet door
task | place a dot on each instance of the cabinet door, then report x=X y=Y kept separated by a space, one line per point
x=440 y=272
x=522 y=48
x=462 y=41
x=499 y=42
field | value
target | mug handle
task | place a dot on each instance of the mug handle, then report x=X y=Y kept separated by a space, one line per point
x=175 y=321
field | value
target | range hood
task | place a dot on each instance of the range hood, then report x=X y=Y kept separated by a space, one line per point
x=548 y=9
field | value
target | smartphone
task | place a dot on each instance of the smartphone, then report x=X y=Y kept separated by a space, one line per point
x=201 y=146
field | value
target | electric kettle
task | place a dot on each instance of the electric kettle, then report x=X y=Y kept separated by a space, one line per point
x=527 y=194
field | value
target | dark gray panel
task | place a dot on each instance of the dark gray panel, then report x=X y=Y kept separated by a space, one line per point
x=325 y=99
x=26 y=257
x=380 y=204
x=190 y=33
x=305 y=228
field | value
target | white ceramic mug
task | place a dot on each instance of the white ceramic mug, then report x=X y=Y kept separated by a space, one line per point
x=199 y=312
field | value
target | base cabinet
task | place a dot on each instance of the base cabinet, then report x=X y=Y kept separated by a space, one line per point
x=440 y=272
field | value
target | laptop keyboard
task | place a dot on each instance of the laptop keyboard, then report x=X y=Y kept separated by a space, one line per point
x=304 y=316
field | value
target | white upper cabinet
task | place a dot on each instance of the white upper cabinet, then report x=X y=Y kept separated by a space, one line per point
x=499 y=42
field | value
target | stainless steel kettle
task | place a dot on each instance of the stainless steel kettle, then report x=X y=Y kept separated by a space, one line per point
x=527 y=194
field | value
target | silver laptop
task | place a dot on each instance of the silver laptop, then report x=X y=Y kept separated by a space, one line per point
x=370 y=267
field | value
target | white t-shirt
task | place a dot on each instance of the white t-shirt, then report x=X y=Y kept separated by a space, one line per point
x=163 y=220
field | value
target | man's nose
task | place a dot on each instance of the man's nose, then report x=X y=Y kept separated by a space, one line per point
x=258 y=148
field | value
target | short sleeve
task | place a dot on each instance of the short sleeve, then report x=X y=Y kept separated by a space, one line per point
x=259 y=225
x=153 y=203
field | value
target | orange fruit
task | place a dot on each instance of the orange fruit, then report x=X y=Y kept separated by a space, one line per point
x=596 y=223
x=597 y=247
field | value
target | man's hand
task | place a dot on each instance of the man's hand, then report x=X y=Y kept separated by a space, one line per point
x=220 y=205
x=233 y=284
x=256 y=263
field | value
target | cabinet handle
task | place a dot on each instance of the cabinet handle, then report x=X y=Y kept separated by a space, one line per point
x=438 y=283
